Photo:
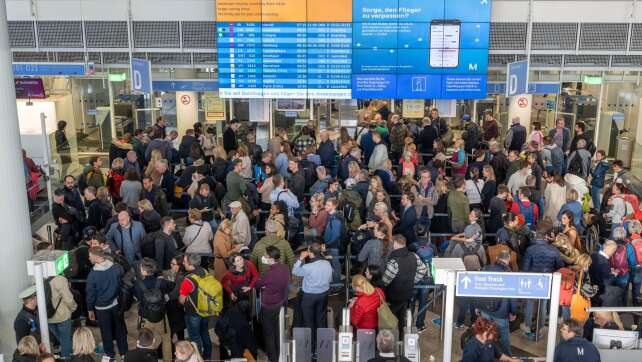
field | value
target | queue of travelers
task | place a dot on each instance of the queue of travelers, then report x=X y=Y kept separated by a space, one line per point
x=195 y=235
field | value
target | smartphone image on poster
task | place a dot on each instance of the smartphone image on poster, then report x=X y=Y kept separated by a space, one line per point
x=444 y=43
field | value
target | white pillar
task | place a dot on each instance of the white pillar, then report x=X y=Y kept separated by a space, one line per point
x=14 y=216
x=520 y=106
x=186 y=111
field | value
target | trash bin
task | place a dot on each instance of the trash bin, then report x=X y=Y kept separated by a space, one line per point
x=625 y=149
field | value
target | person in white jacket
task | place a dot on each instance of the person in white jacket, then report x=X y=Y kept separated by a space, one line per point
x=198 y=235
x=619 y=208
x=555 y=196
x=241 y=232
x=379 y=156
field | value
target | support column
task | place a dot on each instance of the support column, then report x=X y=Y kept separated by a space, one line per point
x=14 y=215
x=521 y=106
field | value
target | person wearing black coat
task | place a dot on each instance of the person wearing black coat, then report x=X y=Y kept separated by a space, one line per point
x=186 y=144
x=408 y=219
x=327 y=154
x=427 y=138
x=98 y=212
x=230 y=141
x=600 y=270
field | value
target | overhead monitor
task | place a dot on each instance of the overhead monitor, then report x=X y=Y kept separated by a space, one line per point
x=29 y=88
x=409 y=49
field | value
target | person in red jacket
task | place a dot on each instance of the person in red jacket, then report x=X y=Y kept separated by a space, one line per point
x=240 y=277
x=363 y=307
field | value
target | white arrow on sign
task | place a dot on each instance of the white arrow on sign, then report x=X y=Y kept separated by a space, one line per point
x=466 y=280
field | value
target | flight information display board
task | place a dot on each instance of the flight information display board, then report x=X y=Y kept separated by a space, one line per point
x=411 y=49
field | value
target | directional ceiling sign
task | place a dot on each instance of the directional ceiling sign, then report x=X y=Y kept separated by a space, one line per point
x=507 y=285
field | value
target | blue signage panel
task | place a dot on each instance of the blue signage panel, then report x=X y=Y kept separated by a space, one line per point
x=504 y=285
x=40 y=69
x=391 y=49
x=141 y=76
x=517 y=78
x=186 y=85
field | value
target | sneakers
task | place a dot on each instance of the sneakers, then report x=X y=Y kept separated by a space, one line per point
x=526 y=329
x=436 y=322
x=459 y=326
x=421 y=329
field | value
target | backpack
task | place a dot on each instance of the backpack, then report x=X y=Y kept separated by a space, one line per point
x=350 y=204
x=590 y=146
x=637 y=249
x=566 y=286
x=619 y=261
x=51 y=308
x=75 y=270
x=472 y=261
x=309 y=172
x=152 y=305
x=528 y=213
x=631 y=203
x=209 y=295
x=575 y=165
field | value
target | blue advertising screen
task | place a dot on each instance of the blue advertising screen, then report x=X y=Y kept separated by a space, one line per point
x=353 y=49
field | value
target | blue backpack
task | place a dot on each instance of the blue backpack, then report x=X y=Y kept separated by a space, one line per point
x=528 y=213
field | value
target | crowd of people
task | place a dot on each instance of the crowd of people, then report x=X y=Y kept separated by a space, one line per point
x=209 y=234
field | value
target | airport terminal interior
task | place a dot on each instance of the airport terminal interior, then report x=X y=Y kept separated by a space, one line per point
x=321 y=180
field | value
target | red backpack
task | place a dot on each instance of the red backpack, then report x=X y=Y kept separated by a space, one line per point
x=567 y=285
x=619 y=261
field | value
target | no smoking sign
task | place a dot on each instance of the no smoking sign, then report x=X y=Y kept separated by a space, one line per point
x=185 y=99
x=522 y=102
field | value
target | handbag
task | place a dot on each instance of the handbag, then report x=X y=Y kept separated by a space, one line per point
x=386 y=319
x=579 y=303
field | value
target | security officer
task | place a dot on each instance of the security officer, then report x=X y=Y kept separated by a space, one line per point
x=573 y=347
x=26 y=322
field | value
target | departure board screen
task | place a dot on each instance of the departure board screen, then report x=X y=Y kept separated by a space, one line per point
x=342 y=49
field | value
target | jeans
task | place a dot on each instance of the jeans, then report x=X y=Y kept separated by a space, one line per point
x=62 y=331
x=421 y=298
x=313 y=308
x=198 y=332
x=566 y=312
x=112 y=326
x=214 y=225
x=336 y=266
x=269 y=318
x=530 y=308
x=595 y=195
x=503 y=328
x=465 y=304
x=613 y=227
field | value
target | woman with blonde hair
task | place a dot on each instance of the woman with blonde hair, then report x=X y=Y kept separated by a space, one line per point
x=115 y=177
x=187 y=352
x=223 y=248
x=363 y=307
x=150 y=171
x=381 y=209
x=27 y=351
x=219 y=163
x=84 y=345
x=149 y=217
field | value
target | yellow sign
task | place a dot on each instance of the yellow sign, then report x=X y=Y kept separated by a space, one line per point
x=214 y=108
x=413 y=108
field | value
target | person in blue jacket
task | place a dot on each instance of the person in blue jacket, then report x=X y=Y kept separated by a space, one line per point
x=598 y=174
x=332 y=237
x=573 y=347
